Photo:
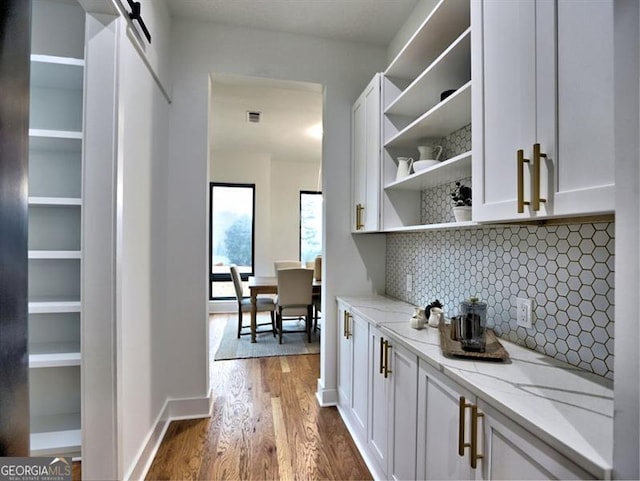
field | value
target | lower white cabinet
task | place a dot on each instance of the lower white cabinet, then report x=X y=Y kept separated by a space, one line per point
x=451 y=421
x=439 y=427
x=353 y=369
x=393 y=397
x=511 y=452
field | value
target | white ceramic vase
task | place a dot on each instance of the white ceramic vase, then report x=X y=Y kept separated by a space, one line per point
x=462 y=213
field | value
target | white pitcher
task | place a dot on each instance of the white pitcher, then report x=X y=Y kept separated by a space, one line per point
x=404 y=167
x=427 y=152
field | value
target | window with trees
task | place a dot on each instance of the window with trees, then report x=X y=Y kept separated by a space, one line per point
x=232 y=234
x=310 y=225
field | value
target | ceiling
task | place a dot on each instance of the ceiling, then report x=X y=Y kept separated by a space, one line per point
x=291 y=117
x=368 y=21
x=288 y=109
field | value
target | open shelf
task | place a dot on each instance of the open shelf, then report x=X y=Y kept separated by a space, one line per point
x=52 y=72
x=56 y=434
x=54 y=354
x=445 y=23
x=446 y=171
x=51 y=305
x=52 y=254
x=55 y=201
x=449 y=71
x=443 y=226
x=447 y=116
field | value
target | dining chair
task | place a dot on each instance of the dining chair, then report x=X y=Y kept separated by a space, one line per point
x=287 y=265
x=263 y=304
x=295 y=298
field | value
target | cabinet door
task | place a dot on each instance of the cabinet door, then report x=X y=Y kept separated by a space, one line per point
x=503 y=96
x=511 y=452
x=438 y=427
x=585 y=109
x=365 y=171
x=402 y=413
x=344 y=359
x=378 y=432
x=543 y=74
x=359 y=337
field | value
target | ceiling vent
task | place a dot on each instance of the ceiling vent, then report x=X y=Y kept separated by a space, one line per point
x=253 y=116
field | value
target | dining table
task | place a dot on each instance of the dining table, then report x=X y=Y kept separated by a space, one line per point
x=268 y=285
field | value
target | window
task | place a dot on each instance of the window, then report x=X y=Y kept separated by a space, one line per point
x=232 y=234
x=310 y=225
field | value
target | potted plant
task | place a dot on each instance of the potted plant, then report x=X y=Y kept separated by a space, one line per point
x=461 y=197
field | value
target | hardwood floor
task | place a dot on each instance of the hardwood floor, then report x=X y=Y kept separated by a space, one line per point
x=265 y=424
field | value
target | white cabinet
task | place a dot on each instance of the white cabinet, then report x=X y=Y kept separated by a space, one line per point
x=543 y=84
x=365 y=159
x=402 y=412
x=55 y=249
x=393 y=383
x=462 y=437
x=436 y=58
x=352 y=369
x=439 y=427
x=510 y=452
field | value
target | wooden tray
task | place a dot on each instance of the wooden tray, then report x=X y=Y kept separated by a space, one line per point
x=493 y=352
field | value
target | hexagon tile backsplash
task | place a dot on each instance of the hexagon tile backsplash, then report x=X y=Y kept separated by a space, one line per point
x=566 y=269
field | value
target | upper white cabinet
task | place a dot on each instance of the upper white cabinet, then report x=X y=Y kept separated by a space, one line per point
x=55 y=248
x=543 y=140
x=365 y=159
x=437 y=58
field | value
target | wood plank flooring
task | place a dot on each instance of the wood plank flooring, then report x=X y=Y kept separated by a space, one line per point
x=265 y=424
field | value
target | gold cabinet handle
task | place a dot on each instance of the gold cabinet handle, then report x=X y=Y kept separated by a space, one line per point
x=387 y=347
x=381 y=355
x=347 y=325
x=535 y=195
x=344 y=323
x=462 y=405
x=474 y=436
x=359 y=209
x=521 y=162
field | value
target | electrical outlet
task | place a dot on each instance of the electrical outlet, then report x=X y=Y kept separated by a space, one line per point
x=524 y=312
x=409 y=282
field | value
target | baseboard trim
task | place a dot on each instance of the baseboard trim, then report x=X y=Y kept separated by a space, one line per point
x=173 y=410
x=361 y=444
x=326 y=397
x=223 y=307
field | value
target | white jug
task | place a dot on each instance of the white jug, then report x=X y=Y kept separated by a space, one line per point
x=404 y=167
x=427 y=152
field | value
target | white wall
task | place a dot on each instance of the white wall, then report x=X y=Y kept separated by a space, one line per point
x=417 y=16
x=343 y=69
x=287 y=180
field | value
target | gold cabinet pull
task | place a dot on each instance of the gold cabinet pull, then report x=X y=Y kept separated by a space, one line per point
x=381 y=355
x=521 y=162
x=387 y=347
x=347 y=324
x=462 y=405
x=344 y=323
x=474 y=436
x=535 y=195
x=359 y=209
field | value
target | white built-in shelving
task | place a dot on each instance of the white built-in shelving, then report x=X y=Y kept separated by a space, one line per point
x=55 y=221
x=437 y=58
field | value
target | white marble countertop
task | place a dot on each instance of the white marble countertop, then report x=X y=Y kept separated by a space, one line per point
x=566 y=407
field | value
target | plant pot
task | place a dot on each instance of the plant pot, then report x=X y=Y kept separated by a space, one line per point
x=462 y=214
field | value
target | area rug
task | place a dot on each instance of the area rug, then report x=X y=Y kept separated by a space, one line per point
x=266 y=346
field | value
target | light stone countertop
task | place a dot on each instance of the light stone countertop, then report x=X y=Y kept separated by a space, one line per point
x=568 y=408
